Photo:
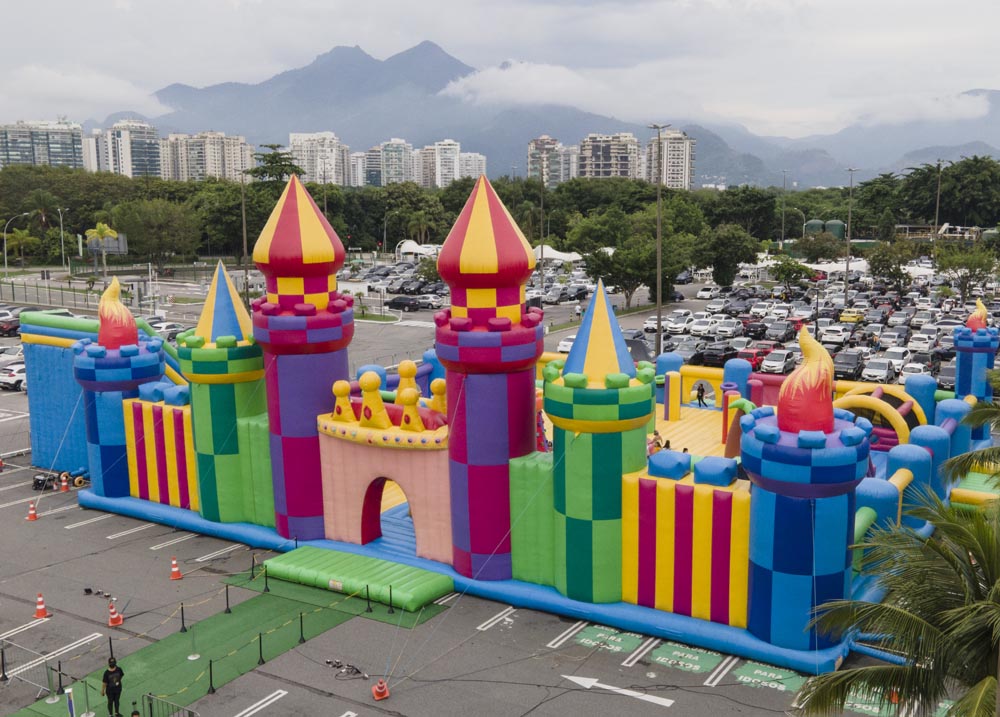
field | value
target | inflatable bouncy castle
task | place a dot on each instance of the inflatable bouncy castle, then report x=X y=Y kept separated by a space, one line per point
x=496 y=467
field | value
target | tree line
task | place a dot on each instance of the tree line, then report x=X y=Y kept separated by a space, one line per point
x=181 y=220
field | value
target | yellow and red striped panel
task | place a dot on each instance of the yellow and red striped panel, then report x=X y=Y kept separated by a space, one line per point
x=297 y=239
x=685 y=548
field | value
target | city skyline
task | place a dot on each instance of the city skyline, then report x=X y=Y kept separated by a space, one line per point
x=776 y=66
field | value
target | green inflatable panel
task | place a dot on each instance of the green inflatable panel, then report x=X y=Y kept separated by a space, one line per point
x=412 y=588
x=531 y=530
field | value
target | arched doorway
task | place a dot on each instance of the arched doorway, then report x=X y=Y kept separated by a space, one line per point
x=386 y=517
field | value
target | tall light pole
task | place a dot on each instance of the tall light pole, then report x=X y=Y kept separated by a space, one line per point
x=5 y=241
x=659 y=235
x=62 y=239
x=850 y=206
x=784 y=188
x=246 y=261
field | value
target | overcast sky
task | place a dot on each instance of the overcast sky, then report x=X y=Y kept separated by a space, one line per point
x=791 y=67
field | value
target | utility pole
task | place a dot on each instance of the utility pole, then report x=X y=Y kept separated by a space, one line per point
x=62 y=240
x=659 y=235
x=937 y=225
x=246 y=260
x=850 y=206
x=784 y=188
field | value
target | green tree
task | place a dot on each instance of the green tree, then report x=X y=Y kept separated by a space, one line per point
x=600 y=229
x=419 y=226
x=887 y=261
x=676 y=256
x=157 y=229
x=941 y=610
x=95 y=241
x=44 y=208
x=887 y=226
x=427 y=269
x=874 y=197
x=787 y=271
x=274 y=165
x=966 y=268
x=817 y=247
x=22 y=241
x=621 y=267
x=724 y=248
x=753 y=209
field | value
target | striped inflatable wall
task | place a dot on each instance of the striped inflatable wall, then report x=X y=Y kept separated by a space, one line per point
x=685 y=548
x=161 y=458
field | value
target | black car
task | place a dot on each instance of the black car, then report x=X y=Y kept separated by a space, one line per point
x=403 y=303
x=684 y=277
x=414 y=286
x=755 y=330
x=639 y=350
x=718 y=353
x=576 y=293
x=930 y=359
x=676 y=296
x=848 y=365
x=691 y=351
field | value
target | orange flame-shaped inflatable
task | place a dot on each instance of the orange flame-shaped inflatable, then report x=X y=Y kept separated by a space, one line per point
x=977 y=319
x=117 y=327
x=805 y=402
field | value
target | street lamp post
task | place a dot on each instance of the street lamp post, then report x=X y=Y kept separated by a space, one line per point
x=784 y=188
x=62 y=239
x=850 y=206
x=659 y=235
x=5 y=241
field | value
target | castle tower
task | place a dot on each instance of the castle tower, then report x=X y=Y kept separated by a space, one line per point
x=804 y=464
x=226 y=371
x=110 y=371
x=304 y=326
x=599 y=406
x=975 y=353
x=489 y=345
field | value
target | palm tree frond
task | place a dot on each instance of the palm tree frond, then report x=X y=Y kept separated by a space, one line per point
x=978 y=701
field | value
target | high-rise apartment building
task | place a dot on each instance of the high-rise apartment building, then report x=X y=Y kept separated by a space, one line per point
x=446 y=162
x=207 y=154
x=397 y=161
x=357 y=160
x=609 y=155
x=58 y=144
x=373 y=167
x=677 y=170
x=471 y=164
x=566 y=163
x=322 y=156
x=133 y=149
x=542 y=155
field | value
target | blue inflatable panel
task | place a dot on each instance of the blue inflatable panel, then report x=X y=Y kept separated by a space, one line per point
x=56 y=409
x=623 y=616
x=670 y=464
x=715 y=470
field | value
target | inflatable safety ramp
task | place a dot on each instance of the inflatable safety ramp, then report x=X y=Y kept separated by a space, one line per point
x=411 y=588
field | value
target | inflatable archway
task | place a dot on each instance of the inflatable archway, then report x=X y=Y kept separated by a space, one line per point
x=893 y=405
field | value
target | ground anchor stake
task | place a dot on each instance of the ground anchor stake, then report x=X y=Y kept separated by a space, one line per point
x=302 y=634
x=391 y=611
x=211 y=683
x=266 y=588
x=227 y=610
x=183 y=626
x=368 y=597
x=260 y=648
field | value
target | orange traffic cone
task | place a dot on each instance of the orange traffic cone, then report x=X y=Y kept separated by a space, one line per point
x=64 y=485
x=40 y=610
x=115 y=618
x=175 y=572
x=380 y=690
x=32 y=515
x=894 y=696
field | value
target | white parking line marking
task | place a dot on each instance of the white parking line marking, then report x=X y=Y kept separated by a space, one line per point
x=217 y=553
x=15 y=485
x=266 y=702
x=721 y=671
x=131 y=530
x=174 y=541
x=641 y=651
x=506 y=612
x=62 y=509
x=26 y=626
x=567 y=634
x=61 y=651
x=445 y=599
x=19 y=502
x=88 y=522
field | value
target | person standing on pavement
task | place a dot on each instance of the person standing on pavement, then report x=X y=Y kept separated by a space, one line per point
x=111 y=686
x=701 y=395
x=578 y=311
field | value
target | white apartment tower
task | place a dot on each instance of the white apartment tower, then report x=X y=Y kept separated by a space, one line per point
x=541 y=158
x=471 y=164
x=357 y=169
x=207 y=154
x=446 y=162
x=322 y=156
x=677 y=171
x=609 y=155
x=132 y=149
x=397 y=161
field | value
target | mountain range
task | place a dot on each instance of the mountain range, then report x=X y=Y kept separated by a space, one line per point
x=366 y=101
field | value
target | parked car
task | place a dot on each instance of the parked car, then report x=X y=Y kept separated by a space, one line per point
x=169 y=329
x=946 y=377
x=767 y=346
x=778 y=362
x=718 y=353
x=429 y=301
x=895 y=337
x=931 y=359
x=12 y=377
x=684 y=277
x=691 y=351
x=11 y=354
x=741 y=342
x=403 y=303
x=754 y=356
x=414 y=286
x=730 y=328
x=755 y=330
x=639 y=350
x=917 y=342
x=912 y=369
x=703 y=327
x=10 y=326
x=780 y=331
x=851 y=316
x=707 y=292
x=556 y=295
x=566 y=344
x=836 y=334
x=678 y=325
x=899 y=357
x=878 y=370
x=717 y=305
x=848 y=365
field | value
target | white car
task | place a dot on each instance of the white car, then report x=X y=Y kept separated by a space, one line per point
x=717 y=305
x=680 y=325
x=566 y=344
x=912 y=369
x=707 y=292
x=835 y=334
x=898 y=357
x=12 y=377
x=704 y=327
x=922 y=342
x=649 y=325
x=760 y=309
